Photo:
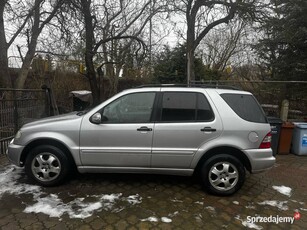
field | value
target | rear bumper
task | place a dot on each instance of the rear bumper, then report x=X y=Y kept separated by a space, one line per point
x=260 y=159
x=14 y=153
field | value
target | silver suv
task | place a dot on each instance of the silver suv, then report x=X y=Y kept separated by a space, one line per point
x=218 y=133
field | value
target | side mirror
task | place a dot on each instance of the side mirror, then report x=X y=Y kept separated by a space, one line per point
x=96 y=118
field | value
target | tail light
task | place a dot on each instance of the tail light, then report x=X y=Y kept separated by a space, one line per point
x=266 y=142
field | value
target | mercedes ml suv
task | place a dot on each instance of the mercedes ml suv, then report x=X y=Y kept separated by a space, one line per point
x=218 y=133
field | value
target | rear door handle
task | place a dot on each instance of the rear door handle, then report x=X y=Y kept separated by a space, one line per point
x=144 y=129
x=208 y=129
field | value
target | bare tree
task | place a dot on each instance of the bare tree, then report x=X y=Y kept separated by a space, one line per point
x=7 y=39
x=5 y=80
x=26 y=21
x=204 y=15
x=42 y=13
x=222 y=45
x=109 y=29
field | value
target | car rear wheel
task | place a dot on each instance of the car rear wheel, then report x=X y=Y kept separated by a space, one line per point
x=47 y=165
x=222 y=175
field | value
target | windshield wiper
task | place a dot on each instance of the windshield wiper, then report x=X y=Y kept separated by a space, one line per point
x=81 y=113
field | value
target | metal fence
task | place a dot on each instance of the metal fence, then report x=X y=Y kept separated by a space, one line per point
x=4 y=142
x=18 y=107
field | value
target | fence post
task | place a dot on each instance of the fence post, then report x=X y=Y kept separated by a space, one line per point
x=284 y=110
x=47 y=100
x=16 y=120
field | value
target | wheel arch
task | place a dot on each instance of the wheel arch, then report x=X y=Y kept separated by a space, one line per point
x=224 y=150
x=46 y=141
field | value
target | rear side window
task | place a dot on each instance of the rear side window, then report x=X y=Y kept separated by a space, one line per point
x=246 y=107
x=185 y=107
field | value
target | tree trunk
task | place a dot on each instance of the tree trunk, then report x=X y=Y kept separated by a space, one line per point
x=91 y=75
x=23 y=74
x=190 y=66
x=190 y=49
x=89 y=53
x=5 y=79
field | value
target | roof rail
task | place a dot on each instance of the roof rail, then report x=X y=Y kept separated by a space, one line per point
x=162 y=85
x=213 y=86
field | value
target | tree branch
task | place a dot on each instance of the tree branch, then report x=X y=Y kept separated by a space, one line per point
x=119 y=38
x=19 y=29
x=226 y=19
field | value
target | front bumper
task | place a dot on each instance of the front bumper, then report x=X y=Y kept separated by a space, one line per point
x=260 y=159
x=14 y=153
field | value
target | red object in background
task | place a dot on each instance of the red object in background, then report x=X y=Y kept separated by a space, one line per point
x=285 y=138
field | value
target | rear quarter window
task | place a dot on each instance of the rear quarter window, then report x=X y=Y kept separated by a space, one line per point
x=246 y=107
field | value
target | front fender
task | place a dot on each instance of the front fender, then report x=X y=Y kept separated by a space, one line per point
x=71 y=141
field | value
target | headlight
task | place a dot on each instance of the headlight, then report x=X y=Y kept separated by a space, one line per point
x=18 y=135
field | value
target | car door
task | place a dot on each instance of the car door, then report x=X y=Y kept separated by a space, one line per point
x=124 y=137
x=186 y=122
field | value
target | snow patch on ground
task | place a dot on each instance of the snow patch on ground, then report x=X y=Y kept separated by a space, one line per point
x=199 y=217
x=250 y=206
x=53 y=206
x=210 y=208
x=79 y=208
x=300 y=202
x=134 y=199
x=281 y=205
x=166 y=220
x=199 y=202
x=176 y=200
x=10 y=185
x=247 y=224
x=173 y=214
x=283 y=190
x=151 y=219
x=156 y=219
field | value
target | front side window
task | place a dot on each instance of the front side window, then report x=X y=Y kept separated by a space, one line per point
x=131 y=108
x=185 y=107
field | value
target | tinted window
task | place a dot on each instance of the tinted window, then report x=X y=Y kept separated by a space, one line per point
x=132 y=108
x=185 y=107
x=245 y=106
x=204 y=111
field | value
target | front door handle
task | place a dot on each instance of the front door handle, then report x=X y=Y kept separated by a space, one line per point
x=208 y=129
x=144 y=129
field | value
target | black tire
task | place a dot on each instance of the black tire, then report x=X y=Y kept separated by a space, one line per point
x=222 y=175
x=47 y=165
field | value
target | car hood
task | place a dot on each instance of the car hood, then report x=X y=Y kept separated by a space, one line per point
x=53 y=120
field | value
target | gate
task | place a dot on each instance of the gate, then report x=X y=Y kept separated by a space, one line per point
x=18 y=107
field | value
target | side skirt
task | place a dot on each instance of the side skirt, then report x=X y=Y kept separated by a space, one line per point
x=166 y=171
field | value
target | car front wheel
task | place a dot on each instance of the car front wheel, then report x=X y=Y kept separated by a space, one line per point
x=222 y=175
x=47 y=165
